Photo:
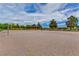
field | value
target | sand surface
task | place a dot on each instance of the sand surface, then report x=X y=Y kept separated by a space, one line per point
x=39 y=43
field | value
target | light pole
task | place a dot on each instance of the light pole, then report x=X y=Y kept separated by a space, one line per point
x=8 y=29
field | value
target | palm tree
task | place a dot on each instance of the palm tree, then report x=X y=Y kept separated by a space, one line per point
x=53 y=24
x=72 y=22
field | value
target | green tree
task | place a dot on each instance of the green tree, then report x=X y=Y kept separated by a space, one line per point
x=28 y=26
x=72 y=22
x=53 y=24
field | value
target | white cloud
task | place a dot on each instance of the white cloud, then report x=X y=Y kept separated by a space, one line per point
x=10 y=12
x=49 y=8
x=58 y=16
x=75 y=13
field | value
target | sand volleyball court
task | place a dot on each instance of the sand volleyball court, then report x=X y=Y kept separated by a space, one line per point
x=39 y=43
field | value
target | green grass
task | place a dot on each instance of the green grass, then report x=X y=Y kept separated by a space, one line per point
x=1 y=30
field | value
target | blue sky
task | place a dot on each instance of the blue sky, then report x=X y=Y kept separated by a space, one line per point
x=31 y=13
